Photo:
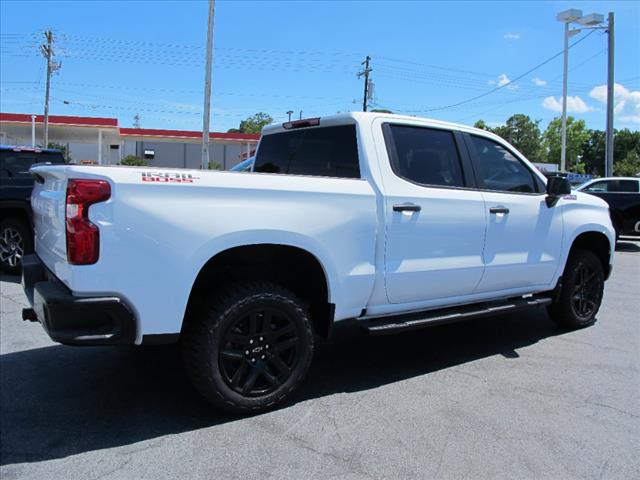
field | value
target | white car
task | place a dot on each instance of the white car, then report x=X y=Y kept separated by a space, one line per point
x=380 y=222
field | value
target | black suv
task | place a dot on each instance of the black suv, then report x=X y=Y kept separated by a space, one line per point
x=16 y=232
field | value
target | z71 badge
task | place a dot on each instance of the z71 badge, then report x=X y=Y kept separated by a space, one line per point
x=168 y=177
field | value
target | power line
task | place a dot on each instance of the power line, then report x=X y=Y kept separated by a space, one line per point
x=510 y=82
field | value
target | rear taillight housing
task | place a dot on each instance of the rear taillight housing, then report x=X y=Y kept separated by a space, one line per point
x=83 y=237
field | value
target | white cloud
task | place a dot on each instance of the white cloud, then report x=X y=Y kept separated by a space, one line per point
x=503 y=80
x=538 y=82
x=574 y=105
x=511 y=36
x=626 y=102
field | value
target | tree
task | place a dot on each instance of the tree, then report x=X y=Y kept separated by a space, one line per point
x=577 y=135
x=481 y=124
x=521 y=132
x=524 y=134
x=253 y=124
x=63 y=148
x=593 y=153
x=629 y=166
x=133 y=161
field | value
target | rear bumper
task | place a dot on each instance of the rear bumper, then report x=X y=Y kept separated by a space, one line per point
x=73 y=320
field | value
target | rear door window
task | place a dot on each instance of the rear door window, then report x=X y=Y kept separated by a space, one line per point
x=325 y=151
x=623 y=186
x=426 y=156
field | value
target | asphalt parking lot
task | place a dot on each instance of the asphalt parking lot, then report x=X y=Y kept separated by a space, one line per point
x=505 y=397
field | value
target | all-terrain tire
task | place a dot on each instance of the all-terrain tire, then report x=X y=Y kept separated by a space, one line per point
x=581 y=293
x=256 y=332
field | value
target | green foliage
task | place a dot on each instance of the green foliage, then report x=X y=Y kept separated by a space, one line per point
x=628 y=166
x=133 y=161
x=481 y=124
x=521 y=132
x=585 y=148
x=593 y=153
x=577 y=135
x=63 y=148
x=215 y=166
x=253 y=124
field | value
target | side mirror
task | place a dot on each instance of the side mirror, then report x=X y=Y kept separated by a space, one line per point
x=556 y=187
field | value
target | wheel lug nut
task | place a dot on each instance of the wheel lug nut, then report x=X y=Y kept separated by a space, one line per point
x=262 y=357
x=251 y=341
x=246 y=352
x=261 y=338
x=253 y=360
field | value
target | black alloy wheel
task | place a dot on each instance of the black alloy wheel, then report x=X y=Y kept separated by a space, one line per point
x=586 y=291
x=247 y=348
x=259 y=352
x=581 y=293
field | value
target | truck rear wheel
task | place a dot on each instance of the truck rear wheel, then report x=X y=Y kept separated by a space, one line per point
x=249 y=347
x=581 y=293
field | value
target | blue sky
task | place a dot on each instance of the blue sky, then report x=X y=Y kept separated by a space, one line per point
x=123 y=58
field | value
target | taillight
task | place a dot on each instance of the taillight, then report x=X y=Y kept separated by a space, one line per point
x=83 y=237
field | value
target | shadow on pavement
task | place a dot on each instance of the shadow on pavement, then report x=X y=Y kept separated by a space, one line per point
x=59 y=401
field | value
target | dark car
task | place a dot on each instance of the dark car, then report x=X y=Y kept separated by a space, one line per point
x=16 y=232
x=623 y=196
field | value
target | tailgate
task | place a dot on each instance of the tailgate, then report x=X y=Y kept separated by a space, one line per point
x=48 y=205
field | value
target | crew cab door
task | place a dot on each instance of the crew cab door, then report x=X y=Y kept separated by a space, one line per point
x=435 y=224
x=524 y=236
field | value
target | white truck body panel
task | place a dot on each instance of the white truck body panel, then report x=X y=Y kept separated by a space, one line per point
x=155 y=237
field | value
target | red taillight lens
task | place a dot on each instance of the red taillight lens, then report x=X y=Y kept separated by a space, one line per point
x=83 y=237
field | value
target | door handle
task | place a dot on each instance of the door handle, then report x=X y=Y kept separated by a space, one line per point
x=407 y=207
x=499 y=209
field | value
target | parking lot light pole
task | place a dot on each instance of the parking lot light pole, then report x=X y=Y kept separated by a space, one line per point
x=586 y=22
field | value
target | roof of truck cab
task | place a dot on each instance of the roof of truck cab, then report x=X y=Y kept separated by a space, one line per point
x=354 y=117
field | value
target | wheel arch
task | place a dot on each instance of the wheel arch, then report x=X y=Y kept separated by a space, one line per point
x=598 y=243
x=291 y=266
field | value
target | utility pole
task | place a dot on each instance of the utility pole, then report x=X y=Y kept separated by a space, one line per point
x=300 y=114
x=365 y=73
x=609 y=138
x=52 y=66
x=207 y=89
x=136 y=121
x=289 y=112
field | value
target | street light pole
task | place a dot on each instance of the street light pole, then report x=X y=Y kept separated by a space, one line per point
x=609 y=139
x=563 y=148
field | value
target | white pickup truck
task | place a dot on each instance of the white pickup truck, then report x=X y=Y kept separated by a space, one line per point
x=382 y=222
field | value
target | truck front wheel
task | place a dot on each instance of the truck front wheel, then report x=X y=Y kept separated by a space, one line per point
x=581 y=293
x=249 y=347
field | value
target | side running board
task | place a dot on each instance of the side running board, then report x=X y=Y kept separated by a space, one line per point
x=403 y=323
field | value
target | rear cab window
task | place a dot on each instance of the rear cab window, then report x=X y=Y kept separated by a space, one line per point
x=322 y=151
